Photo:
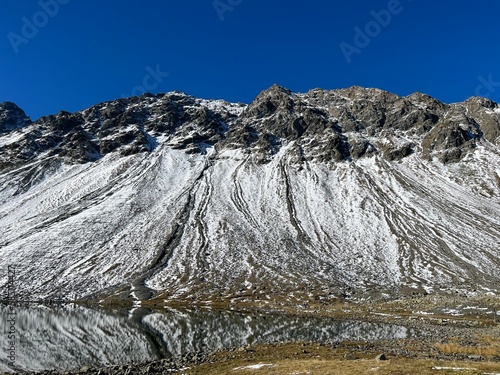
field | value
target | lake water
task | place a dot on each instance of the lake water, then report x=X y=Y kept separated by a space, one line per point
x=67 y=338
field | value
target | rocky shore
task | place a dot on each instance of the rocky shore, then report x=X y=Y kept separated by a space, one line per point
x=425 y=336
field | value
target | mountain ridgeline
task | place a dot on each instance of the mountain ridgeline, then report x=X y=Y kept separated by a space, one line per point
x=324 y=125
x=344 y=192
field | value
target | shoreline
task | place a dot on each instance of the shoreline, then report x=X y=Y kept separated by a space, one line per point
x=470 y=332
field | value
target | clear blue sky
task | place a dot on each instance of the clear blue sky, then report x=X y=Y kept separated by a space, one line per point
x=89 y=51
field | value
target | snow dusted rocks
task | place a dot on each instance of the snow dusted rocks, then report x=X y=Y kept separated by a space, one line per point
x=12 y=117
x=174 y=196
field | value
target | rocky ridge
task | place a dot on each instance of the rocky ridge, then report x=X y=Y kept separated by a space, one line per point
x=326 y=126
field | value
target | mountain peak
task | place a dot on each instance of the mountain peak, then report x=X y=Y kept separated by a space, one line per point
x=12 y=117
x=275 y=90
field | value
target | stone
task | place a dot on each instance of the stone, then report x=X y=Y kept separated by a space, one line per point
x=350 y=356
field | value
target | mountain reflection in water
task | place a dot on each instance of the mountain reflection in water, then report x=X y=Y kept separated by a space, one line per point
x=67 y=338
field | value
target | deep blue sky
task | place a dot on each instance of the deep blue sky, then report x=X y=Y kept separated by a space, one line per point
x=90 y=51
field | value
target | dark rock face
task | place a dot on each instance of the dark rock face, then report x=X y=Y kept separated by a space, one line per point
x=332 y=126
x=126 y=126
x=486 y=113
x=12 y=117
x=320 y=125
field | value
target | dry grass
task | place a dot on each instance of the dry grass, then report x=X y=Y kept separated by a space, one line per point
x=343 y=367
x=298 y=359
x=486 y=347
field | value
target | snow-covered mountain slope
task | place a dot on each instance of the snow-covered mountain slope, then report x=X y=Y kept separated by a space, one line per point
x=327 y=191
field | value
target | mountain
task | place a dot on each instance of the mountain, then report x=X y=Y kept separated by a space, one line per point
x=351 y=191
x=12 y=117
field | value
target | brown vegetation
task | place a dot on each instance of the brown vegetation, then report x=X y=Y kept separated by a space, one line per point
x=312 y=359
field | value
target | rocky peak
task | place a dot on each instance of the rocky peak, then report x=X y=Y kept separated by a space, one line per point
x=12 y=117
x=274 y=90
x=320 y=125
x=268 y=102
x=126 y=126
x=421 y=100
